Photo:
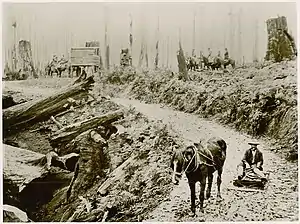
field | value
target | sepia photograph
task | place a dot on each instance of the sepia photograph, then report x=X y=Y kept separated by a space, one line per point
x=149 y=111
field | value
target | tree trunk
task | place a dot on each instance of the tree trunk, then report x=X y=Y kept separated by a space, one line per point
x=116 y=175
x=279 y=47
x=21 y=116
x=68 y=133
x=25 y=58
x=20 y=168
x=27 y=183
x=183 y=73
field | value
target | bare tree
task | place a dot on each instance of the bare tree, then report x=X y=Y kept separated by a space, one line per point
x=157 y=45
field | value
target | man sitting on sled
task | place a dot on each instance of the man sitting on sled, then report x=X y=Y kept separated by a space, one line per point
x=253 y=158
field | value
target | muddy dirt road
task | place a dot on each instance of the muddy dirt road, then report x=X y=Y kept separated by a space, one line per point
x=278 y=202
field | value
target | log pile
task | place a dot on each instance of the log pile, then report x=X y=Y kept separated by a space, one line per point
x=25 y=170
x=24 y=115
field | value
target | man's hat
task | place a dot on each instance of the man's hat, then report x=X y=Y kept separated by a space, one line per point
x=253 y=143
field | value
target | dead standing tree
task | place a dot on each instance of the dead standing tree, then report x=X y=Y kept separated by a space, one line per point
x=157 y=46
x=183 y=74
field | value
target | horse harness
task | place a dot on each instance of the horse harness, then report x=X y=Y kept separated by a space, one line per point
x=201 y=162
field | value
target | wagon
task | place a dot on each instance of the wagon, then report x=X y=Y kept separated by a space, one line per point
x=87 y=57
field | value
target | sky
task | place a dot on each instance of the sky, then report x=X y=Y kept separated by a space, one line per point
x=53 y=28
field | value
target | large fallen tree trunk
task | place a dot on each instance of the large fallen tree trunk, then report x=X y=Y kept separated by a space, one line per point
x=22 y=166
x=23 y=115
x=68 y=133
x=116 y=175
x=26 y=180
x=16 y=169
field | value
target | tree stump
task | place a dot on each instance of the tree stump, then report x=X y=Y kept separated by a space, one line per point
x=25 y=58
x=279 y=45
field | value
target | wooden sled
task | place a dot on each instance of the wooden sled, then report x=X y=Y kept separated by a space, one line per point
x=251 y=182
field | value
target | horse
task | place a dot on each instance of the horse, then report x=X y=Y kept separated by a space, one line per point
x=192 y=64
x=229 y=61
x=217 y=63
x=206 y=62
x=199 y=162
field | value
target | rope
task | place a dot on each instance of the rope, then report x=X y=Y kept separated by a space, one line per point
x=189 y=164
x=213 y=163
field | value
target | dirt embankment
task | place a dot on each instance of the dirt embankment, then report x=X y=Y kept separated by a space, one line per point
x=279 y=202
x=255 y=101
x=261 y=102
x=139 y=151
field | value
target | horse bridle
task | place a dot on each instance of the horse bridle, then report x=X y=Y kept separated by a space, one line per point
x=186 y=169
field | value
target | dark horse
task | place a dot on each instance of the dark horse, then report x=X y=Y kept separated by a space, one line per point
x=217 y=63
x=192 y=64
x=200 y=162
x=227 y=62
x=206 y=63
x=50 y=69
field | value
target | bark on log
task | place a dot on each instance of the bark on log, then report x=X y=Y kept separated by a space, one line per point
x=17 y=170
x=21 y=116
x=116 y=175
x=27 y=185
x=7 y=101
x=68 y=133
x=19 y=167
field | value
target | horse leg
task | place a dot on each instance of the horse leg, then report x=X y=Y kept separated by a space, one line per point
x=202 y=189
x=209 y=184
x=204 y=173
x=219 y=181
x=193 y=196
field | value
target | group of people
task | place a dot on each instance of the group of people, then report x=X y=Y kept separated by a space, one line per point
x=57 y=66
x=55 y=62
x=194 y=62
x=210 y=56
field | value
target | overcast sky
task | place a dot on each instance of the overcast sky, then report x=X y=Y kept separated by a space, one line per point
x=53 y=28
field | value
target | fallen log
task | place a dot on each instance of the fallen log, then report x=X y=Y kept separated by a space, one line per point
x=14 y=214
x=27 y=185
x=117 y=174
x=51 y=159
x=7 y=101
x=19 y=168
x=65 y=135
x=21 y=116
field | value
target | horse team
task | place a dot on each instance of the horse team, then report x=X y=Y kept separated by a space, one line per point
x=195 y=63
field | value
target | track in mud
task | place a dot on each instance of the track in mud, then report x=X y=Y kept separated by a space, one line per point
x=279 y=202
